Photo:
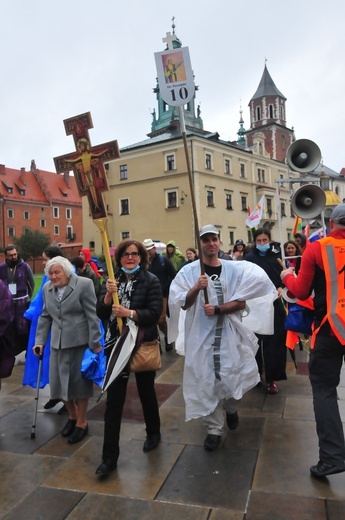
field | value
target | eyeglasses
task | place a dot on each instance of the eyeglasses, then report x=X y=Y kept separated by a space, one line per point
x=133 y=255
x=209 y=239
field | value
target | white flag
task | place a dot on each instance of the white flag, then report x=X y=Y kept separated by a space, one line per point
x=256 y=215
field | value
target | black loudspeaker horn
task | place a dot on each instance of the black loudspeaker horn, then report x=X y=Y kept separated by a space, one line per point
x=303 y=156
x=308 y=201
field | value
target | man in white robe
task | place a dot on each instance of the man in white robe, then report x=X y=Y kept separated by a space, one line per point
x=220 y=363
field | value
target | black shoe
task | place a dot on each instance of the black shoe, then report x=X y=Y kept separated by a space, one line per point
x=51 y=403
x=106 y=468
x=168 y=346
x=212 y=442
x=69 y=428
x=78 y=434
x=62 y=410
x=322 y=469
x=152 y=441
x=232 y=420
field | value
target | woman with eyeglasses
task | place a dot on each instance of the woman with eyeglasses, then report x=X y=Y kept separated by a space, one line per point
x=140 y=299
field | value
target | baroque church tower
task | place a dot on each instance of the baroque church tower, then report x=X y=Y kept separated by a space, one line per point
x=268 y=120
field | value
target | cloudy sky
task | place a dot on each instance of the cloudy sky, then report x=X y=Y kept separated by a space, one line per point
x=63 y=58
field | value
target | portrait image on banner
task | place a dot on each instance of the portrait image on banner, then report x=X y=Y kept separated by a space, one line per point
x=175 y=76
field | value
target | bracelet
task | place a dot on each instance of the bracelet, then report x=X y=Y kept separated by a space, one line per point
x=131 y=314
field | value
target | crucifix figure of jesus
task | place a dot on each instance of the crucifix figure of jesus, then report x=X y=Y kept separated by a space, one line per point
x=87 y=162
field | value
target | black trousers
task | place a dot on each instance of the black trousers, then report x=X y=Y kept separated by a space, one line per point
x=271 y=355
x=116 y=396
x=325 y=364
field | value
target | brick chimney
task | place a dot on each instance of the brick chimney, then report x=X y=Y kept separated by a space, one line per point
x=23 y=176
x=66 y=179
x=2 y=169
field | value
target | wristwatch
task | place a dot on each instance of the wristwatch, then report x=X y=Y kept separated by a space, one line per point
x=216 y=309
x=131 y=315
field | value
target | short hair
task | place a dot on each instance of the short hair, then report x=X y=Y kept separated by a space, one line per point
x=261 y=231
x=9 y=248
x=78 y=262
x=191 y=249
x=302 y=238
x=59 y=260
x=52 y=251
x=121 y=248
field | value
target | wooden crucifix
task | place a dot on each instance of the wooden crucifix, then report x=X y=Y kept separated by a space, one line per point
x=87 y=162
x=91 y=179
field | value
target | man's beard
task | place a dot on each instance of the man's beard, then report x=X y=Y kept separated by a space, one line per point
x=12 y=263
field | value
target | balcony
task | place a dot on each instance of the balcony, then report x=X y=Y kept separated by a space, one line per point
x=70 y=237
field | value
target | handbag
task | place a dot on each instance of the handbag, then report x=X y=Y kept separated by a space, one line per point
x=146 y=357
x=299 y=319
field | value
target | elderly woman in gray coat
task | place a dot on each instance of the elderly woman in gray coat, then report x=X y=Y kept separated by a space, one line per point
x=69 y=313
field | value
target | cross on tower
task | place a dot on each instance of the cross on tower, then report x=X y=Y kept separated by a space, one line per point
x=87 y=162
x=169 y=39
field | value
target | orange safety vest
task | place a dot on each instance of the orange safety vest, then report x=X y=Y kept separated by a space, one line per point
x=333 y=258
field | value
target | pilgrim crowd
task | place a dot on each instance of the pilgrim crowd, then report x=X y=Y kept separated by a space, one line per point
x=201 y=303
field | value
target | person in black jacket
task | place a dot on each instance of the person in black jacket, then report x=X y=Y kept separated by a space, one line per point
x=165 y=272
x=271 y=356
x=140 y=299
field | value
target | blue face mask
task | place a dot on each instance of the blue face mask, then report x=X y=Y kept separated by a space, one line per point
x=263 y=248
x=131 y=271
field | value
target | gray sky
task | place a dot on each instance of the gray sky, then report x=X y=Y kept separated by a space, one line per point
x=63 y=58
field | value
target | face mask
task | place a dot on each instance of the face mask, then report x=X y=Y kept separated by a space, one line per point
x=262 y=248
x=130 y=271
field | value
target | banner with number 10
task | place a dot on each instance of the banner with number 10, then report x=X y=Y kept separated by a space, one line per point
x=175 y=76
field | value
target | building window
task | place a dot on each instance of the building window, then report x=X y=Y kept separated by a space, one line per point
x=55 y=212
x=11 y=232
x=69 y=232
x=43 y=222
x=21 y=191
x=210 y=198
x=208 y=161
x=227 y=166
x=170 y=162
x=92 y=245
x=270 y=109
x=228 y=201
x=26 y=230
x=124 y=207
x=242 y=171
x=336 y=189
x=56 y=230
x=10 y=213
x=258 y=113
x=125 y=234
x=269 y=207
x=123 y=172
x=231 y=237
x=171 y=200
x=261 y=175
x=244 y=204
x=26 y=215
x=68 y=213
x=282 y=209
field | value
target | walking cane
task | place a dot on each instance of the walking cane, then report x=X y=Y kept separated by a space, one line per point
x=33 y=428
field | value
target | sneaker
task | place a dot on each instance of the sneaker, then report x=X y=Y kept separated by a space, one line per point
x=232 y=420
x=322 y=469
x=212 y=442
x=272 y=388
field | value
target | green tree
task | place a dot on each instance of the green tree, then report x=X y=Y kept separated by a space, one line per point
x=31 y=244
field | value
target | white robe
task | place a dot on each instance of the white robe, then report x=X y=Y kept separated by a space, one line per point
x=238 y=369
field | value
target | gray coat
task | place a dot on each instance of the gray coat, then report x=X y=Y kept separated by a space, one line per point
x=73 y=321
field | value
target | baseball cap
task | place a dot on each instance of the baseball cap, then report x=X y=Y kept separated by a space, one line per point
x=239 y=242
x=338 y=213
x=209 y=228
x=149 y=243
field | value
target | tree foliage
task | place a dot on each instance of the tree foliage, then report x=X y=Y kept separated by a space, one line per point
x=31 y=244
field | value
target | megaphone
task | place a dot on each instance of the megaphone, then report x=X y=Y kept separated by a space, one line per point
x=303 y=156
x=308 y=201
